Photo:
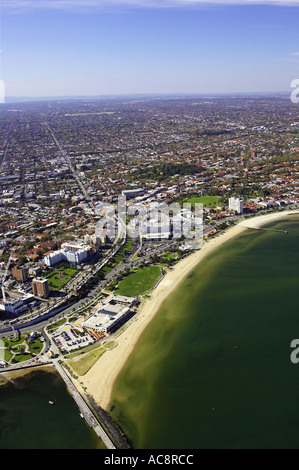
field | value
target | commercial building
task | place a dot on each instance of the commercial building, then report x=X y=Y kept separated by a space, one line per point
x=110 y=314
x=155 y=229
x=40 y=286
x=17 y=303
x=165 y=227
x=131 y=193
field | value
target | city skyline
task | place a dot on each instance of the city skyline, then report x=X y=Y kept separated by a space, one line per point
x=95 y=47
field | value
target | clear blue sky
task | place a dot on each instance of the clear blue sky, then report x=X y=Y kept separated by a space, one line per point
x=99 y=47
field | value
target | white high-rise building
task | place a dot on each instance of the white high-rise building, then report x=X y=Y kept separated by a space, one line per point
x=235 y=204
x=75 y=253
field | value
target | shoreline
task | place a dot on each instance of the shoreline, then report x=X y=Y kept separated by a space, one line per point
x=98 y=382
x=17 y=373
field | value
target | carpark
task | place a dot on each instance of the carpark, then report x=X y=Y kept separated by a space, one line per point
x=69 y=338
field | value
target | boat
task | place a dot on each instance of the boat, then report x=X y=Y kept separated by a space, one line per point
x=81 y=415
x=51 y=402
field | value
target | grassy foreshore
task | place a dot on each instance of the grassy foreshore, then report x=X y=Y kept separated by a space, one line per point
x=99 y=380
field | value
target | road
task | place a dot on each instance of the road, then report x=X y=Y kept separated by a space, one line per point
x=146 y=251
x=75 y=174
x=6 y=147
x=43 y=359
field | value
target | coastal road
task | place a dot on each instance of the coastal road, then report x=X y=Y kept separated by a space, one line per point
x=129 y=263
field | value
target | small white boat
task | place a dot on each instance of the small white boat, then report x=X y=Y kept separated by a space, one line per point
x=51 y=402
x=81 y=415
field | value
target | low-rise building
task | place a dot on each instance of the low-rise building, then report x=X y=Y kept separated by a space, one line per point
x=110 y=314
x=16 y=303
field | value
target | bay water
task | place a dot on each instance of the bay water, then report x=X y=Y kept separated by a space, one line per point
x=212 y=370
x=29 y=421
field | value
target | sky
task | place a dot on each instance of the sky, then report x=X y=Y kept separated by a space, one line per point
x=111 y=47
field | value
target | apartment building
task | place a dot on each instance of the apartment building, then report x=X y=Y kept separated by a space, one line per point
x=19 y=273
x=235 y=204
x=40 y=286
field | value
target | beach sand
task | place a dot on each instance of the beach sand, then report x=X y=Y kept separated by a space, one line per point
x=15 y=374
x=99 y=380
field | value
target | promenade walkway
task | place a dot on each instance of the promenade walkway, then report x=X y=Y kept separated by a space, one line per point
x=84 y=409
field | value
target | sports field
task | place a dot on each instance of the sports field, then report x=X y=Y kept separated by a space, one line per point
x=207 y=201
x=139 y=282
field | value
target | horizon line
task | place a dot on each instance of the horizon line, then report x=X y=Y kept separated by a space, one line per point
x=149 y=94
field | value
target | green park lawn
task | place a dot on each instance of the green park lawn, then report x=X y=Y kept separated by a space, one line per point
x=139 y=282
x=207 y=201
x=18 y=350
x=66 y=275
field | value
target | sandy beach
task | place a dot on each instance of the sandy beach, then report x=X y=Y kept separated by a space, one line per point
x=99 y=380
x=15 y=374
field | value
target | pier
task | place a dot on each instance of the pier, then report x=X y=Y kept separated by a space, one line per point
x=84 y=408
x=268 y=229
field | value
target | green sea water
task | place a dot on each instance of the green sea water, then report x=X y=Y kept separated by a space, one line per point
x=28 y=421
x=213 y=369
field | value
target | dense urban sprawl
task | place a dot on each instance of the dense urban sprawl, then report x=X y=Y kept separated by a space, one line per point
x=61 y=159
